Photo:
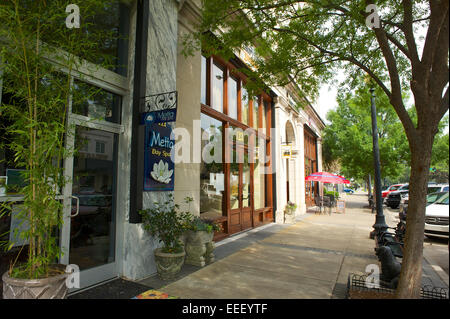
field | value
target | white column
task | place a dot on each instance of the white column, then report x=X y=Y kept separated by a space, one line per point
x=280 y=167
x=301 y=168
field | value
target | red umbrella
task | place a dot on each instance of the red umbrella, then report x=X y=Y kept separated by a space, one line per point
x=325 y=177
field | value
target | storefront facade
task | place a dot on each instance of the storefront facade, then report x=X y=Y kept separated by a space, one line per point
x=298 y=150
x=232 y=167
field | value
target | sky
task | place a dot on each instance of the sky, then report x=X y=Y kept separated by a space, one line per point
x=327 y=100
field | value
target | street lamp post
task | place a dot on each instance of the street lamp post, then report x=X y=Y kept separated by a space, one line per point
x=380 y=222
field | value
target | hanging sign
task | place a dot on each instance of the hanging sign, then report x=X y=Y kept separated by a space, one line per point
x=158 y=165
x=286 y=151
x=159 y=169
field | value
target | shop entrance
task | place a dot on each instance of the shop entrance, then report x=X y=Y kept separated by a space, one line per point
x=311 y=188
x=88 y=235
x=240 y=190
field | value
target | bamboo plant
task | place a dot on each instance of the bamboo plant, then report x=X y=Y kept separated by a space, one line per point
x=38 y=55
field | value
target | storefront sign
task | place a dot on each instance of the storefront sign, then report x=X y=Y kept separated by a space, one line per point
x=159 y=169
x=158 y=165
x=286 y=151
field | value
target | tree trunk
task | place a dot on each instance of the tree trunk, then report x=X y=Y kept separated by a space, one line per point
x=411 y=274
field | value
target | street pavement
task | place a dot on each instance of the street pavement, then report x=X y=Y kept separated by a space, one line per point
x=309 y=259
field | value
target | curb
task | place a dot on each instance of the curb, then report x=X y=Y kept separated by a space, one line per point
x=437 y=269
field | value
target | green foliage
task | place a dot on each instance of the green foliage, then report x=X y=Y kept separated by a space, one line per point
x=167 y=223
x=290 y=207
x=200 y=224
x=349 y=136
x=334 y=193
x=38 y=54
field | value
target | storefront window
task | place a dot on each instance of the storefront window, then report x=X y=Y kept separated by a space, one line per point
x=264 y=114
x=212 y=181
x=96 y=103
x=259 y=184
x=247 y=181
x=113 y=22
x=255 y=113
x=232 y=98
x=245 y=107
x=217 y=89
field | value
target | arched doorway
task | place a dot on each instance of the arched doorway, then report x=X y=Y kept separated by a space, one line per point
x=290 y=165
x=310 y=145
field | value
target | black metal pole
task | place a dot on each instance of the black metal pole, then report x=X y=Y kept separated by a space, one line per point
x=380 y=222
x=137 y=130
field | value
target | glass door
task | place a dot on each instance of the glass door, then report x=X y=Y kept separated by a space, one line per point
x=88 y=236
x=240 y=190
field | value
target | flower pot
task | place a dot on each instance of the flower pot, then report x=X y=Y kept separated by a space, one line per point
x=53 y=287
x=199 y=248
x=168 y=265
x=289 y=217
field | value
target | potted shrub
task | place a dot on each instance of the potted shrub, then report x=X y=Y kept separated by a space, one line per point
x=199 y=241
x=289 y=212
x=167 y=224
x=38 y=56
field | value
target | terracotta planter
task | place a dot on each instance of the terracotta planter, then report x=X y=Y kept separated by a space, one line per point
x=47 y=288
x=168 y=265
x=199 y=248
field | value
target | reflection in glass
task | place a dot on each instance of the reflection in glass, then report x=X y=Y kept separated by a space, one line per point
x=212 y=181
x=112 y=22
x=245 y=109
x=234 y=186
x=259 y=185
x=246 y=183
x=255 y=113
x=232 y=98
x=96 y=103
x=92 y=234
x=217 y=89
x=264 y=111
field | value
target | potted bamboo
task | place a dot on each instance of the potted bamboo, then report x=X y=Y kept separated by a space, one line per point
x=165 y=222
x=38 y=54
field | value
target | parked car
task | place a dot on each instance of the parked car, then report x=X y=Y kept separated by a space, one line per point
x=431 y=198
x=400 y=198
x=436 y=218
x=390 y=189
x=349 y=190
x=394 y=197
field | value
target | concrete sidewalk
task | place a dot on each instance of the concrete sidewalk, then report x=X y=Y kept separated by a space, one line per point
x=309 y=259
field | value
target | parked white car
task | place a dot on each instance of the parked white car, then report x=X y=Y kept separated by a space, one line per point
x=436 y=218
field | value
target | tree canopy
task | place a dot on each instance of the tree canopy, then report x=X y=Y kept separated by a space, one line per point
x=348 y=137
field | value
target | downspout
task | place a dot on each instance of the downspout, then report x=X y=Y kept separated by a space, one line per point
x=139 y=89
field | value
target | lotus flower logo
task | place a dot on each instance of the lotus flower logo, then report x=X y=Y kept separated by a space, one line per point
x=161 y=172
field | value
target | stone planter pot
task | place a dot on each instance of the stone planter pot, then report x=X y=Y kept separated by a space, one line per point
x=199 y=248
x=289 y=217
x=168 y=265
x=46 y=288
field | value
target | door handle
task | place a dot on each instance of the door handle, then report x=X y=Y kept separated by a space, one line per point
x=78 y=207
